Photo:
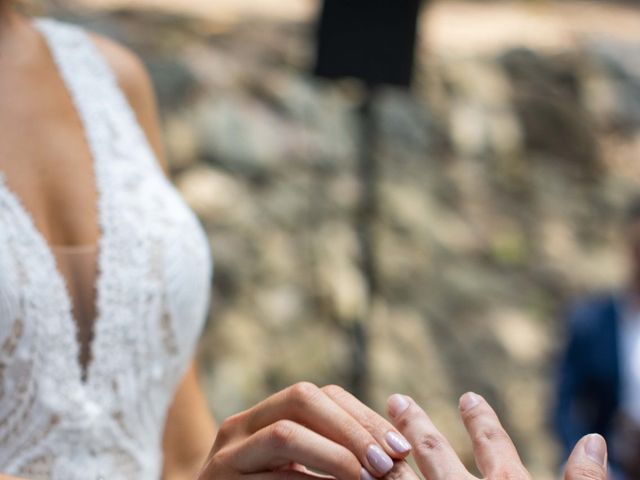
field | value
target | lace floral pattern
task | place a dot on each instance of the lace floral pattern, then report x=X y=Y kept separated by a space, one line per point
x=153 y=285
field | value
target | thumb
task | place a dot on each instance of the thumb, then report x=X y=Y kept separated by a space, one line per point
x=588 y=461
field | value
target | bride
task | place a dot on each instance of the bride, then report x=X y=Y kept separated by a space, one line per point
x=104 y=287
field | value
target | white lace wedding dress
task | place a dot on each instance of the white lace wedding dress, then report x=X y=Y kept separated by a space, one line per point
x=60 y=419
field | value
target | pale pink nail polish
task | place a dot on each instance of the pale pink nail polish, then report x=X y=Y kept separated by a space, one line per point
x=397 y=443
x=364 y=475
x=379 y=460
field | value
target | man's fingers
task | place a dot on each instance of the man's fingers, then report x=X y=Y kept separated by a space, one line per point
x=385 y=434
x=284 y=443
x=493 y=449
x=588 y=461
x=308 y=405
x=431 y=450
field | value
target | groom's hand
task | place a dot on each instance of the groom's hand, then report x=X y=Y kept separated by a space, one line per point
x=495 y=454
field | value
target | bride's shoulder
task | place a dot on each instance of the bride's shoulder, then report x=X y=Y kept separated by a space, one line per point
x=129 y=69
x=135 y=82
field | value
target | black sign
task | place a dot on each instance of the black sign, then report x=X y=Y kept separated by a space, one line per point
x=372 y=40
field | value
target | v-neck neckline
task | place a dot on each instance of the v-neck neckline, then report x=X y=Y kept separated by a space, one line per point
x=84 y=376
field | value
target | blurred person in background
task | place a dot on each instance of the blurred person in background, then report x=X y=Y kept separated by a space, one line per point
x=104 y=287
x=599 y=377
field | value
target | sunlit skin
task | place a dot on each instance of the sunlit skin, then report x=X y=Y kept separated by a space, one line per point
x=43 y=150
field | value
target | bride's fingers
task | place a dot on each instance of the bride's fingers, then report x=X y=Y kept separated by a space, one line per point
x=308 y=405
x=493 y=449
x=386 y=435
x=431 y=450
x=286 y=442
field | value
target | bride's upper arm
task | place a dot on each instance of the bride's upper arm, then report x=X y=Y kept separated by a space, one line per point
x=189 y=431
x=136 y=84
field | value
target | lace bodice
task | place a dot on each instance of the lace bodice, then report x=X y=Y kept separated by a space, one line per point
x=152 y=294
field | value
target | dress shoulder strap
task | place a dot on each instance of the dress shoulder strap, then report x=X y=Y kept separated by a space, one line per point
x=110 y=123
x=88 y=78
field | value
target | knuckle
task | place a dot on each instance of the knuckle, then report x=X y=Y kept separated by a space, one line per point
x=345 y=457
x=335 y=391
x=429 y=443
x=281 y=433
x=490 y=434
x=229 y=428
x=303 y=393
x=585 y=472
x=232 y=422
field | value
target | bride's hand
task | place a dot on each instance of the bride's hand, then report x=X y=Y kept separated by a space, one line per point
x=495 y=454
x=324 y=429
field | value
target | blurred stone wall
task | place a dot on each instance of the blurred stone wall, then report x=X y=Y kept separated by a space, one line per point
x=502 y=179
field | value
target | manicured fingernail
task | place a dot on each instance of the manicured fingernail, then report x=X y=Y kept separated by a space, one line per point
x=397 y=404
x=468 y=401
x=397 y=442
x=596 y=449
x=379 y=460
x=364 y=475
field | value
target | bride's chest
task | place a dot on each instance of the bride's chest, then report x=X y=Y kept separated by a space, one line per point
x=152 y=290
